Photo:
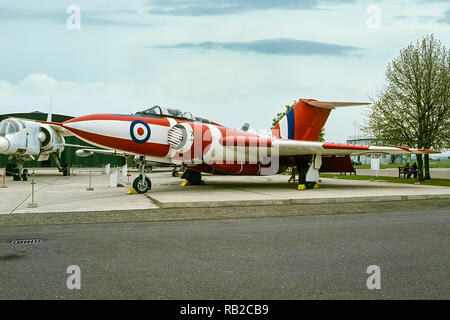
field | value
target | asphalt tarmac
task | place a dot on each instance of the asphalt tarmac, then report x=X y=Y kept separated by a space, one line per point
x=292 y=257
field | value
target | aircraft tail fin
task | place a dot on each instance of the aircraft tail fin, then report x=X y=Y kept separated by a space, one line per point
x=50 y=111
x=306 y=119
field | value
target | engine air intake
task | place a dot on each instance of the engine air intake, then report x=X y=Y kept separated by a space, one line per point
x=177 y=136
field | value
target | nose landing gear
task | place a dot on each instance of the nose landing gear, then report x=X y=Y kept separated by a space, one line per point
x=142 y=183
x=17 y=171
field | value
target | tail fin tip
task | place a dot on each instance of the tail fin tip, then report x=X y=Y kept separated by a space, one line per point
x=334 y=104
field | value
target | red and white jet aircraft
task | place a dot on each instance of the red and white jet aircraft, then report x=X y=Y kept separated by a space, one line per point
x=169 y=136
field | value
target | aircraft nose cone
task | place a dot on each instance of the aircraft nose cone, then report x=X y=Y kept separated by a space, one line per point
x=4 y=144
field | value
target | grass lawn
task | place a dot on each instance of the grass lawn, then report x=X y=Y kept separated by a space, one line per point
x=432 y=182
x=433 y=164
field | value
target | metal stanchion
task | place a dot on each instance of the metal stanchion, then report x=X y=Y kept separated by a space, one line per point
x=417 y=177
x=32 y=204
x=90 y=182
x=4 y=179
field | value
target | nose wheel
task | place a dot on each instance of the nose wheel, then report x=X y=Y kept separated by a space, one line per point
x=18 y=172
x=142 y=183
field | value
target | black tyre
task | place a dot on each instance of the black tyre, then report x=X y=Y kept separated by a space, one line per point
x=10 y=169
x=142 y=186
x=194 y=177
x=174 y=173
x=25 y=175
x=310 y=185
x=65 y=171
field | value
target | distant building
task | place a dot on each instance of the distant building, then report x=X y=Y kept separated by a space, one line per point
x=367 y=140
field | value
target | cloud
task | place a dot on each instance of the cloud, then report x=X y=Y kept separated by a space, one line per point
x=446 y=17
x=280 y=46
x=223 y=7
x=35 y=90
x=91 y=17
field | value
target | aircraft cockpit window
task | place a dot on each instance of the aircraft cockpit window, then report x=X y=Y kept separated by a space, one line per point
x=171 y=112
x=201 y=119
x=3 y=126
x=11 y=128
x=175 y=113
x=188 y=115
x=7 y=127
x=153 y=110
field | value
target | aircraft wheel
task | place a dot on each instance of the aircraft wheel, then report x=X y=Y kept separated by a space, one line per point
x=310 y=185
x=194 y=177
x=25 y=175
x=65 y=171
x=174 y=173
x=307 y=185
x=10 y=169
x=16 y=176
x=140 y=185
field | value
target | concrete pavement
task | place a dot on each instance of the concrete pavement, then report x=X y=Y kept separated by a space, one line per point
x=58 y=194
x=274 y=190
x=55 y=193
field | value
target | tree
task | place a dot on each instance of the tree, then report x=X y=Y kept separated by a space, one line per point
x=413 y=108
x=322 y=135
x=280 y=116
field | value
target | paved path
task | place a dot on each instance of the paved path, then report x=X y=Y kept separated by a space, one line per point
x=273 y=190
x=310 y=257
x=55 y=193
x=435 y=173
x=69 y=195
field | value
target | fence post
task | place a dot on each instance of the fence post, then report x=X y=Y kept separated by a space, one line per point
x=90 y=182
x=4 y=179
x=32 y=204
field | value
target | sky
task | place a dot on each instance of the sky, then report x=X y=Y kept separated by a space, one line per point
x=230 y=61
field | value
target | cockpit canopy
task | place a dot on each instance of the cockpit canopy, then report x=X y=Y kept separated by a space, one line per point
x=8 y=127
x=170 y=112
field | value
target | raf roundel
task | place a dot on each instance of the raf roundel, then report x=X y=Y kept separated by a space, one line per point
x=140 y=131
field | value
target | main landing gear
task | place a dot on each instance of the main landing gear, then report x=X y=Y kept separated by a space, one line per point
x=193 y=177
x=17 y=171
x=142 y=183
x=308 y=171
x=62 y=166
x=175 y=172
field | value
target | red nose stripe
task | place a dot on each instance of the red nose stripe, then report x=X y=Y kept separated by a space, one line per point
x=157 y=121
x=147 y=149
